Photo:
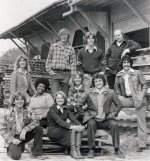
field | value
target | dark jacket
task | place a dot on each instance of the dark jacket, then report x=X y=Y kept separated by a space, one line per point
x=55 y=118
x=91 y=100
x=113 y=55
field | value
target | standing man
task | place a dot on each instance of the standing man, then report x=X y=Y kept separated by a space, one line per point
x=116 y=51
x=90 y=59
x=130 y=86
x=98 y=116
x=61 y=63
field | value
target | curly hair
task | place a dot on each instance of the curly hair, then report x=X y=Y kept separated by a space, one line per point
x=16 y=66
x=89 y=34
x=42 y=80
x=128 y=59
x=16 y=96
x=64 y=96
x=100 y=76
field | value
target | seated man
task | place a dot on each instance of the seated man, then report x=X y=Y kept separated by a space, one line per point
x=130 y=86
x=98 y=115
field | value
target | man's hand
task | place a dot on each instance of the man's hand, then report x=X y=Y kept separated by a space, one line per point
x=16 y=141
x=22 y=135
x=125 y=52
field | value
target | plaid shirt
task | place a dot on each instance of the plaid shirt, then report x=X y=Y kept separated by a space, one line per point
x=8 y=126
x=61 y=57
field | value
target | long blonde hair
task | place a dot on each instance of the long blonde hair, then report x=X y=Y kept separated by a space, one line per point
x=16 y=66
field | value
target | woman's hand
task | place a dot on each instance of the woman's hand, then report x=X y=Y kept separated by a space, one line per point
x=16 y=141
x=22 y=135
x=78 y=128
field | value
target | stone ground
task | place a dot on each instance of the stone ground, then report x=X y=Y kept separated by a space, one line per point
x=128 y=146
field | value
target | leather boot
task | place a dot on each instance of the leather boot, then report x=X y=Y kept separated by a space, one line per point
x=73 y=151
x=78 y=144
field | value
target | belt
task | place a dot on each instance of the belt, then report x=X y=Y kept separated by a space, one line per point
x=128 y=96
x=61 y=70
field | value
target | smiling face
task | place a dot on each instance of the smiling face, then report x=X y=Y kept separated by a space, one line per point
x=19 y=102
x=60 y=99
x=99 y=84
x=90 y=40
x=126 y=65
x=40 y=88
x=118 y=36
x=22 y=63
x=77 y=80
x=64 y=37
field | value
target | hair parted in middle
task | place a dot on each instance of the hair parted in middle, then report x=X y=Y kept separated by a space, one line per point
x=87 y=35
x=64 y=96
x=64 y=31
x=42 y=80
x=16 y=96
x=77 y=74
x=16 y=66
x=100 y=76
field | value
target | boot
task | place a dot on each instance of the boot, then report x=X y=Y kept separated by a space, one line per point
x=78 y=144
x=73 y=151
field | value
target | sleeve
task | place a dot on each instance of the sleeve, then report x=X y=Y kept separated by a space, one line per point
x=142 y=82
x=79 y=61
x=103 y=62
x=49 y=100
x=58 y=119
x=108 y=54
x=31 y=126
x=117 y=102
x=132 y=45
x=49 y=59
x=117 y=87
x=73 y=61
x=31 y=84
x=13 y=83
x=73 y=119
x=8 y=137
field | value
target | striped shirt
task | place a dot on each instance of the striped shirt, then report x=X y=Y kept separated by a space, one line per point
x=61 y=57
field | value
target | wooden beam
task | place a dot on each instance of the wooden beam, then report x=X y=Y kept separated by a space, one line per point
x=19 y=47
x=17 y=37
x=39 y=36
x=77 y=24
x=31 y=45
x=56 y=33
x=137 y=12
x=92 y=22
x=46 y=28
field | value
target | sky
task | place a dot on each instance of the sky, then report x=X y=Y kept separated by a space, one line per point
x=13 y=12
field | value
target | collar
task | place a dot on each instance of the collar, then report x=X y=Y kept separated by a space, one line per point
x=67 y=46
x=104 y=90
x=122 y=72
x=80 y=88
x=87 y=47
x=115 y=41
x=19 y=70
x=60 y=108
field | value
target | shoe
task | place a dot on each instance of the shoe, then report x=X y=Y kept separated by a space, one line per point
x=33 y=156
x=91 y=154
x=119 y=154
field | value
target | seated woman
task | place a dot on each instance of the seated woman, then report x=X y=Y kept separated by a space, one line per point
x=76 y=92
x=18 y=129
x=62 y=132
x=41 y=102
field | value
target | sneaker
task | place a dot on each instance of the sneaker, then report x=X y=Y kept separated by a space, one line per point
x=119 y=154
x=140 y=149
x=91 y=154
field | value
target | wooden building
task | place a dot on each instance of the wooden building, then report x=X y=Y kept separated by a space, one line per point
x=100 y=16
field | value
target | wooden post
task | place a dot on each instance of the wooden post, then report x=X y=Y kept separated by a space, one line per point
x=19 y=47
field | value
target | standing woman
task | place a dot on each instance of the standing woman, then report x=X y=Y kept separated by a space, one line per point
x=62 y=132
x=21 y=79
x=17 y=128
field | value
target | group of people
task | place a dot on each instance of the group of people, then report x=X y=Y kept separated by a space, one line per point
x=83 y=89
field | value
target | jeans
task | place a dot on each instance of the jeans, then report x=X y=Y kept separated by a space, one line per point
x=60 y=81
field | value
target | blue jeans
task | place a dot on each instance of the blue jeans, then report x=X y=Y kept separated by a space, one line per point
x=60 y=81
